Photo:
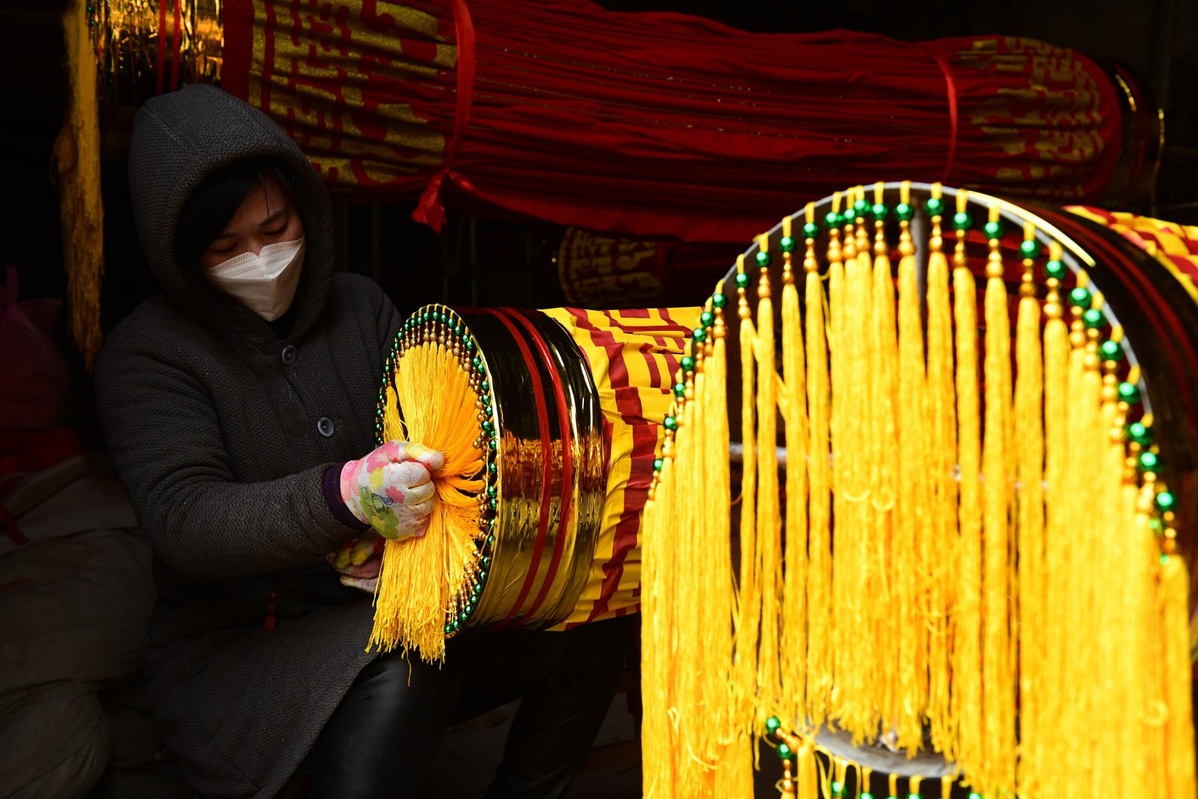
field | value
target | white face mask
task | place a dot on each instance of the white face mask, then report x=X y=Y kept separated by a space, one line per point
x=265 y=283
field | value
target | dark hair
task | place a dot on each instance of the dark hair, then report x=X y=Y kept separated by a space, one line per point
x=213 y=203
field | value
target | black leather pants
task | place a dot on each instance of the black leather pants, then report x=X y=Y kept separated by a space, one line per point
x=382 y=737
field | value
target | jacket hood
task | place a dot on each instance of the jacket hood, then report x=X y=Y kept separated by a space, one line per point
x=178 y=140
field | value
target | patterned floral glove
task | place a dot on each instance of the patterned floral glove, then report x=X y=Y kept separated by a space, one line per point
x=359 y=561
x=391 y=489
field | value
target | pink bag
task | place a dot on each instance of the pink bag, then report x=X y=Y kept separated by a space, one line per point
x=33 y=373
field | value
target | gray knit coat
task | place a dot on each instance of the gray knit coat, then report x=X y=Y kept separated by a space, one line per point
x=221 y=431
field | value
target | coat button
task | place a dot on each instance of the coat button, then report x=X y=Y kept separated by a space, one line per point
x=324 y=426
x=288 y=354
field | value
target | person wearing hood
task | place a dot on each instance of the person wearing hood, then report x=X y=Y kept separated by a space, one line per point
x=238 y=407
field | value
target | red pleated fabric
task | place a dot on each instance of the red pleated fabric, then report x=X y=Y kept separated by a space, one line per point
x=659 y=124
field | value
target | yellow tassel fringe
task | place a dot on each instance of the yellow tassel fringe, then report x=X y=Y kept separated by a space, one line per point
x=422 y=579
x=935 y=570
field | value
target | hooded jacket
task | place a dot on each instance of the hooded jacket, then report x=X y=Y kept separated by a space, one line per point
x=221 y=430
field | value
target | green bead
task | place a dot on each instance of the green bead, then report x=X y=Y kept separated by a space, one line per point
x=1165 y=501
x=993 y=230
x=913 y=795
x=484 y=387
x=934 y=206
x=772 y=724
x=494 y=503
x=491 y=540
x=866 y=795
x=1111 y=351
x=492 y=491
x=670 y=423
x=687 y=363
x=707 y=319
x=1148 y=462
x=1030 y=248
x=742 y=280
x=832 y=219
x=485 y=560
x=879 y=211
x=974 y=795
x=657 y=464
x=494 y=443
x=1055 y=269
x=1140 y=433
x=903 y=212
x=787 y=244
x=680 y=390
x=448 y=629
x=1093 y=319
x=837 y=789
x=1129 y=393
x=699 y=335
x=763 y=259
x=860 y=208
x=469 y=345
x=1079 y=298
x=718 y=300
x=810 y=230
x=784 y=752
x=962 y=220
x=487 y=426
x=476 y=362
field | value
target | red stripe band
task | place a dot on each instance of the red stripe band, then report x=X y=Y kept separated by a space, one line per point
x=538 y=391
x=567 y=444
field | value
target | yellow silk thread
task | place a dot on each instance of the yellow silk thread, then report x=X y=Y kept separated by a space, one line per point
x=769 y=520
x=941 y=539
x=748 y=608
x=912 y=529
x=998 y=678
x=819 y=547
x=422 y=579
x=1033 y=651
x=792 y=700
x=967 y=654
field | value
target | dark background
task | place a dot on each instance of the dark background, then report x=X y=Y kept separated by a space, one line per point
x=479 y=261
